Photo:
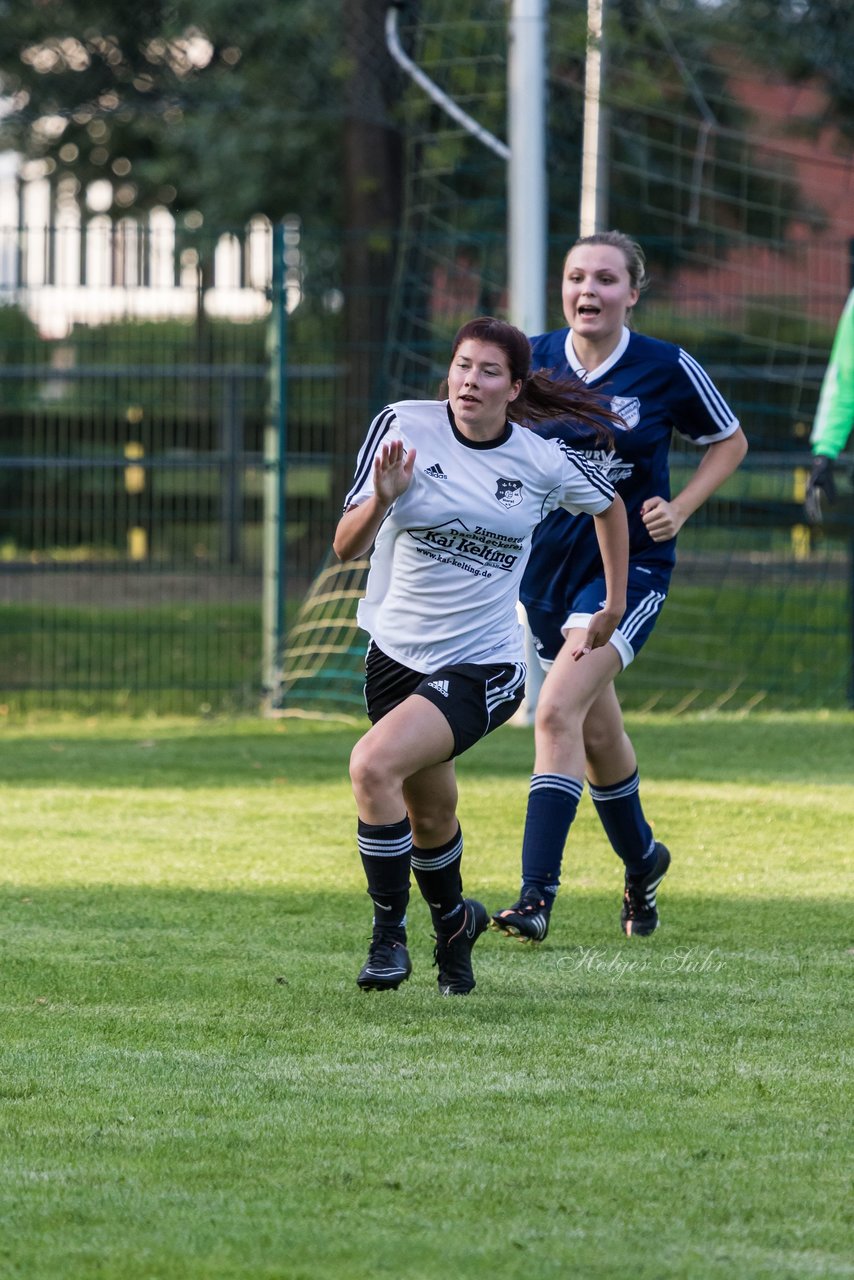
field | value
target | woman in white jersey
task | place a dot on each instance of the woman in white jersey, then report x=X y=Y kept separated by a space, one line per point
x=448 y=493
x=655 y=387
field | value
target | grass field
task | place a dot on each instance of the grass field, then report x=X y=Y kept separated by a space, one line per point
x=193 y=1088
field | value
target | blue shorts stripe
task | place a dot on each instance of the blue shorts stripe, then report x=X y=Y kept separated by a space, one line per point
x=646 y=593
x=648 y=608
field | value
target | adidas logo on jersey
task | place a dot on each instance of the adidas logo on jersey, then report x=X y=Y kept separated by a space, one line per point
x=441 y=686
x=435 y=471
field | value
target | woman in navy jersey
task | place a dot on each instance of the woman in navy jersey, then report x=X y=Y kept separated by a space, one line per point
x=655 y=388
x=448 y=492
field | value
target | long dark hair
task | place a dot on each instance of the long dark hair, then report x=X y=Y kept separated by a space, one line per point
x=541 y=398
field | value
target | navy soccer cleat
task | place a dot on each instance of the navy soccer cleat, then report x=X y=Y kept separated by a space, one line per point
x=453 y=953
x=527 y=920
x=639 y=916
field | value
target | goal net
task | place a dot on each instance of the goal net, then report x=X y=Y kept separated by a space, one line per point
x=451 y=265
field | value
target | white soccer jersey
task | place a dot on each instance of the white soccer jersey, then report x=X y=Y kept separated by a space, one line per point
x=449 y=557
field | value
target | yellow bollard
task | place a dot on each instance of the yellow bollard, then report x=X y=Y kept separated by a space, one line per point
x=137 y=543
x=134 y=475
x=801 y=535
x=134 y=484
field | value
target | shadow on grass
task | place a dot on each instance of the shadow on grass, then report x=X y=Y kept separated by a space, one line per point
x=755 y=750
x=247 y=754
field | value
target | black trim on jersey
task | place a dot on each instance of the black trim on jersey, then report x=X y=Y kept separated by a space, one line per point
x=589 y=470
x=380 y=427
x=478 y=444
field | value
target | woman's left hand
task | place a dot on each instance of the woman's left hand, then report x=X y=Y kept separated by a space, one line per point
x=662 y=519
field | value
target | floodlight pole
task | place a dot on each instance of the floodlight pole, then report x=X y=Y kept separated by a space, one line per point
x=593 y=211
x=525 y=155
x=527 y=203
x=527 y=194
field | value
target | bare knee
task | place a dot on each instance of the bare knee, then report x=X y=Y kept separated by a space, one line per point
x=372 y=775
x=608 y=748
x=556 y=721
x=432 y=827
x=597 y=737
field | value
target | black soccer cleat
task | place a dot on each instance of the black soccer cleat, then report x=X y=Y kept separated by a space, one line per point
x=639 y=916
x=527 y=920
x=387 y=965
x=453 y=953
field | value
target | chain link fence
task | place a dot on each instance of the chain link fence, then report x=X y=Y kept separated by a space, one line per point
x=169 y=487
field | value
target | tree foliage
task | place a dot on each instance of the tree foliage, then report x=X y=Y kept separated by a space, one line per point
x=802 y=39
x=288 y=107
x=199 y=106
x=202 y=105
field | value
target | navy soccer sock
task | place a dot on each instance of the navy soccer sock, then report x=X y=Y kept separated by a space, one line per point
x=552 y=804
x=386 y=853
x=621 y=814
x=437 y=872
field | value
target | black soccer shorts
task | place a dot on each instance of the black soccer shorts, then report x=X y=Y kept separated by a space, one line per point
x=473 y=698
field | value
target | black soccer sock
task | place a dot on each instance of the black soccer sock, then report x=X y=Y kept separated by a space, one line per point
x=437 y=872
x=386 y=852
x=621 y=814
x=552 y=805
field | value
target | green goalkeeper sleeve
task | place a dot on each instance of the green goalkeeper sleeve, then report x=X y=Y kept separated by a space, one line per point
x=834 y=417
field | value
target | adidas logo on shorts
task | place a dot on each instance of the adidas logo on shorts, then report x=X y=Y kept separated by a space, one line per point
x=435 y=471
x=441 y=686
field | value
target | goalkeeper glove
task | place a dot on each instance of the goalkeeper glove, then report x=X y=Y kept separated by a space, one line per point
x=820 y=483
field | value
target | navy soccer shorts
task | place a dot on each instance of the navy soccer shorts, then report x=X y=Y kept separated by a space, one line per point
x=645 y=594
x=473 y=698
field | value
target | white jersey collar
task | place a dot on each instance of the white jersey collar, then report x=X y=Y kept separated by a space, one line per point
x=587 y=375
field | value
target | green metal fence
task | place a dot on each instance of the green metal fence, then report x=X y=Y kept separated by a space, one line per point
x=136 y=477
x=168 y=490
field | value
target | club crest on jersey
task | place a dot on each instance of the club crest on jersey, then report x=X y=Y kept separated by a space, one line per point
x=628 y=407
x=509 y=492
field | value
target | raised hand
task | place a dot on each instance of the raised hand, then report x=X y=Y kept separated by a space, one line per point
x=393 y=471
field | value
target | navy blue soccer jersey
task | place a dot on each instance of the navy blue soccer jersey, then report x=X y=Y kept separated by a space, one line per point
x=656 y=388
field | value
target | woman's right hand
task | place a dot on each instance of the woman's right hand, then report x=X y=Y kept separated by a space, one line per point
x=599 y=631
x=359 y=525
x=392 y=471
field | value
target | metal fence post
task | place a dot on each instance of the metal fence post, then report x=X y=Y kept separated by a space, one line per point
x=275 y=466
x=231 y=445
